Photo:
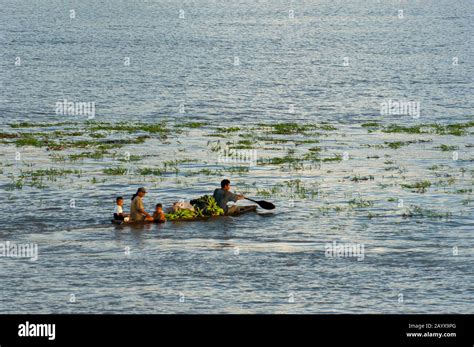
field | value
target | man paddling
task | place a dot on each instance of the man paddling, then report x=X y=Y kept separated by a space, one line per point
x=137 y=210
x=224 y=195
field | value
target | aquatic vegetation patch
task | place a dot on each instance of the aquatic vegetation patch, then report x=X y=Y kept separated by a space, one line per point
x=204 y=172
x=239 y=170
x=444 y=183
x=290 y=189
x=8 y=136
x=436 y=167
x=272 y=191
x=447 y=148
x=150 y=171
x=370 y=125
x=59 y=158
x=288 y=128
x=312 y=156
x=359 y=178
x=296 y=142
x=315 y=149
x=333 y=208
x=171 y=166
x=15 y=184
x=192 y=125
x=336 y=158
x=129 y=127
x=219 y=135
x=398 y=144
x=360 y=203
x=295 y=128
x=89 y=155
x=463 y=191
x=418 y=211
x=302 y=142
x=327 y=127
x=97 y=135
x=418 y=187
x=297 y=188
x=372 y=146
x=61 y=133
x=229 y=129
x=457 y=129
x=393 y=168
x=30 y=141
x=36 y=178
x=395 y=128
x=43 y=140
x=50 y=173
x=40 y=125
x=115 y=171
x=278 y=160
x=241 y=144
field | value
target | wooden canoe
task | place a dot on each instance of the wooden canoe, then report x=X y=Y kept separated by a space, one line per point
x=239 y=211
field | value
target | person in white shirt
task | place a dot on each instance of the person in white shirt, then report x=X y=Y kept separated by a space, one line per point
x=118 y=211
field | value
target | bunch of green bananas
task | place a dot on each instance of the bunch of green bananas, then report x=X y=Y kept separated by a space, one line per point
x=213 y=209
x=181 y=214
x=209 y=206
x=206 y=205
x=198 y=212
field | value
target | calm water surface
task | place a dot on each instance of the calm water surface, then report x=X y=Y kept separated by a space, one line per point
x=258 y=263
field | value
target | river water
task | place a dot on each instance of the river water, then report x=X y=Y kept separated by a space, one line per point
x=249 y=65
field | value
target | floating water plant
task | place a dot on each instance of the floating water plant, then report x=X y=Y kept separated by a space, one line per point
x=115 y=171
x=419 y=187
x=447 y=148
x=360 y=203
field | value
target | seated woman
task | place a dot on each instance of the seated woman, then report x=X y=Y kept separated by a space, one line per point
x=137 y=210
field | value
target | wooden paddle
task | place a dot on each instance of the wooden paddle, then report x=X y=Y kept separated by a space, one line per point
x=263 y=204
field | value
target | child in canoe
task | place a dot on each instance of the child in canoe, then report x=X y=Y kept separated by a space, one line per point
x=159 y=215
x=118 y=211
